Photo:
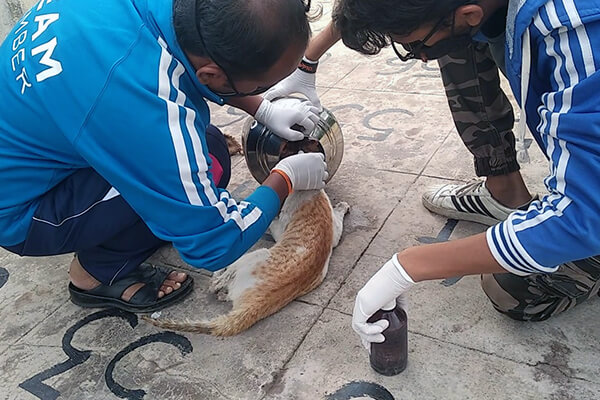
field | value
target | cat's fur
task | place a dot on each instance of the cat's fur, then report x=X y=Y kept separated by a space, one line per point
x=233 y=146
x=264 y=281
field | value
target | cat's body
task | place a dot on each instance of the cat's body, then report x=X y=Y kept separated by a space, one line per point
x=264 y=281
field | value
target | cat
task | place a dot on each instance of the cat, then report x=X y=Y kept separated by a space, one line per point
x=264 y=281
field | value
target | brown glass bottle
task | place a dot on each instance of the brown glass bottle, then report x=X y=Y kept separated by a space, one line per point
x=390 y=357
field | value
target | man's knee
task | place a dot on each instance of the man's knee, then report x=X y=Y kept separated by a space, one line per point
x=515 y=297
x=501 y=299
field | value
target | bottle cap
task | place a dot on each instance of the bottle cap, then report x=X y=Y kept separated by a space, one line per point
x=389 y=306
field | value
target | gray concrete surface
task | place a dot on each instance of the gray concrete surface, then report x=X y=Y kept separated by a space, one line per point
x=399 y=139
x=10 y=12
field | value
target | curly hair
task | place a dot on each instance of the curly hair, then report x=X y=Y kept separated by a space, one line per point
x=366 y=25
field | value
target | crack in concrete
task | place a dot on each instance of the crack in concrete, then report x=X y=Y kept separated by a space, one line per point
x=343 y=77
x=307 y=302
x=43 y=346
x=421 y=174
x=395 y=171
x=444 y=178
x=493 y=354
x=39 y=323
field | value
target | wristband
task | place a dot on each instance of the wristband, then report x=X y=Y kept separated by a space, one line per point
x=310 y=67
x=286 y=178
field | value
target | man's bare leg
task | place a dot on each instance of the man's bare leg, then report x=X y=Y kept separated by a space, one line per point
x=509 y=190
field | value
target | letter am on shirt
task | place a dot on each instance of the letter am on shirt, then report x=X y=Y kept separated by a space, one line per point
x=42 y=45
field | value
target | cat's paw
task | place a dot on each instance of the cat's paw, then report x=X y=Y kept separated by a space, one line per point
x=233 y=146
x=223 y=294
x=220 y=280
x=343 y=207
x=220 y=285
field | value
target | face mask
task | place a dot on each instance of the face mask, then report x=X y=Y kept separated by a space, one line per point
x=446 y=46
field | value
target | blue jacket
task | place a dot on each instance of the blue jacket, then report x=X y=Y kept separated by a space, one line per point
x=552 y=59
x=104 y=84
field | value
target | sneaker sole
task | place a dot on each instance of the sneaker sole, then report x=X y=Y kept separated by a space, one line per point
x=459 y=215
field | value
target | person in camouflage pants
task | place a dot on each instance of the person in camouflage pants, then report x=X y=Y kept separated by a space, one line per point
x=484 y=119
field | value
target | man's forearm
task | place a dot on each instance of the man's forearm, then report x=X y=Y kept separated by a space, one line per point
x=468 y=256
x=278 y=184
x=322 y=42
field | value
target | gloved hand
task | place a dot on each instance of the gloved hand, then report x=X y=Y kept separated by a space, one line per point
x=305 y=171
x=298 y=82
x=280 y=117
x=390 y=282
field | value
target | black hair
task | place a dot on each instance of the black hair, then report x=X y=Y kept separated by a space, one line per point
x=244 y=37
x=365 y=25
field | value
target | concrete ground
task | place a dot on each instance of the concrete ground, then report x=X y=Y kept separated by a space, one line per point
x=399 y=138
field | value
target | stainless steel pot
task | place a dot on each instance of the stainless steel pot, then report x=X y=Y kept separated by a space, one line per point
x=263 y=149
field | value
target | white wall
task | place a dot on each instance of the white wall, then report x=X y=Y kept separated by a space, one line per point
x=10 y=12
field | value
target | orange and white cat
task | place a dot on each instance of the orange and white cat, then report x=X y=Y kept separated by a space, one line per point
x=264 y=281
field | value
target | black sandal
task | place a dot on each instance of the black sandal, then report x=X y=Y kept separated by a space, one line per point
x=143 y=301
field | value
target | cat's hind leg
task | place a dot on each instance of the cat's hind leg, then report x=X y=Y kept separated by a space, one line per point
x=339 y=211
x=222 y=278
x=245 y=278
x=238 y=275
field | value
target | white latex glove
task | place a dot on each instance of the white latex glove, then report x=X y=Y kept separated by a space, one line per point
x=390 y=282
x=306 y=171
x=298 y=82
x=280 y=117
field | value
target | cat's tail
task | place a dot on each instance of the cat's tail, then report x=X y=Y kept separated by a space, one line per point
x=232 y=323
x=185 y=325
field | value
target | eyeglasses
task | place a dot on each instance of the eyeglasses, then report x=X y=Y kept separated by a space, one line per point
x=234 y=91
x=412 y=50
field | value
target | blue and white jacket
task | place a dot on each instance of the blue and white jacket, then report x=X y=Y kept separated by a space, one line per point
x=104 y=84
x=552 y=62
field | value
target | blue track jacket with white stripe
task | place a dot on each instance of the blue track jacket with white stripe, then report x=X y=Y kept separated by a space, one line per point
x=552 y=61
x=104 y=84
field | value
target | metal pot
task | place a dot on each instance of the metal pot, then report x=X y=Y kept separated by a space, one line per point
x=263 y=149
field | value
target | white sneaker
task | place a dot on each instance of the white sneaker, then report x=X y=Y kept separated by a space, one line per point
x=468 y=202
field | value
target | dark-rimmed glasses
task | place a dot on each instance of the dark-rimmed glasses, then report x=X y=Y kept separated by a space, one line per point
x=412 y=50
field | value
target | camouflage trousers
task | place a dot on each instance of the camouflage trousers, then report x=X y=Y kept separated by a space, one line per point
x=481 y=111
x=540 y=296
